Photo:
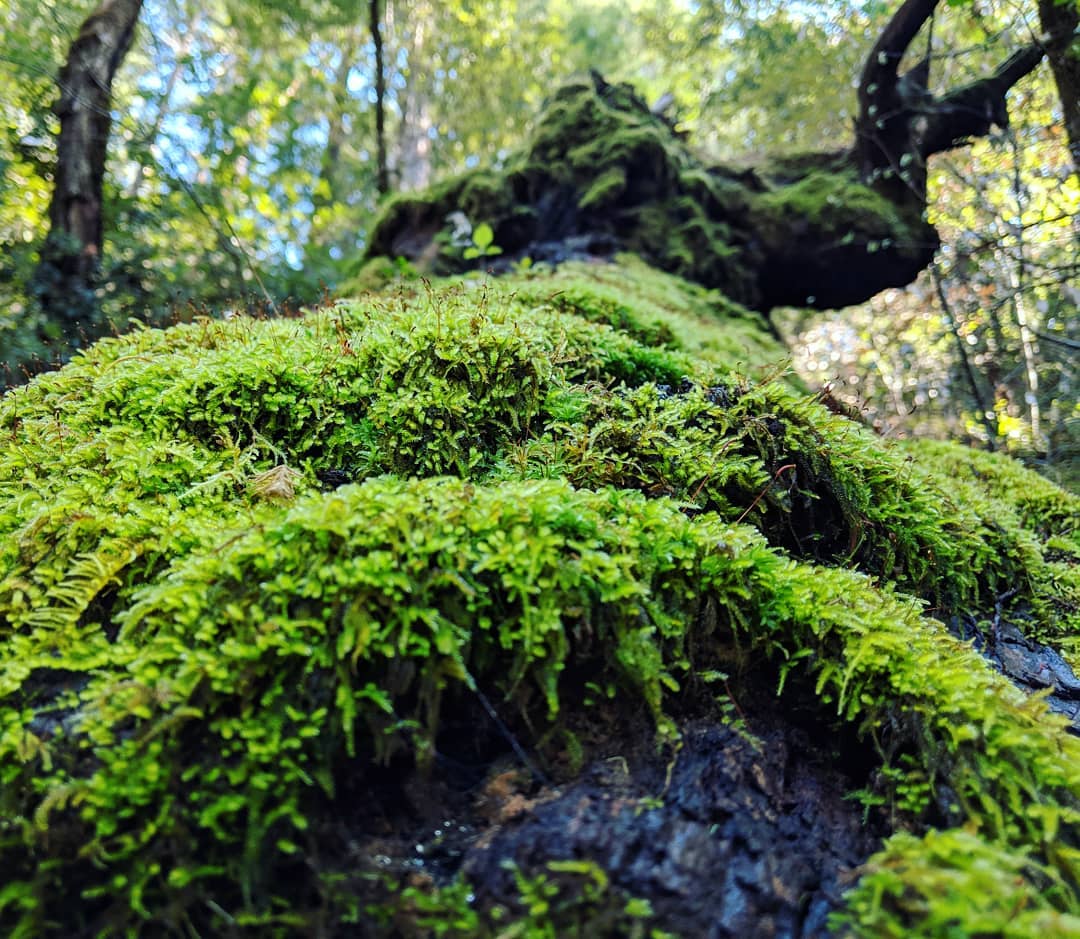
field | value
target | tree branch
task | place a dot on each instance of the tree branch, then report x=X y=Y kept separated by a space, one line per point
x=901 y=123
x=881 y=130
x=972 y=110
x=884 y=59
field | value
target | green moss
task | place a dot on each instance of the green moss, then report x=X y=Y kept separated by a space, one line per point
x=571 y=898
x=374 y=274
x=600 y=162
x=203 y=652
x=1036 y=523
x=607 y=158
x=931 y=881
x=831 y=197
x=607 y=188
x=1041 y=507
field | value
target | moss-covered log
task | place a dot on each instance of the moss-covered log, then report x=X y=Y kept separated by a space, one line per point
x=603 y=171
x=269 y=588
x=600 y=167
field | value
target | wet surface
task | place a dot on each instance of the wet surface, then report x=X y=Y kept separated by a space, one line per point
x=749 y=837
x=742 y=832
x=1029 y=664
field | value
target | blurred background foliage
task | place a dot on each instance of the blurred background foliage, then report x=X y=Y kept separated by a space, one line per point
x=243 y=171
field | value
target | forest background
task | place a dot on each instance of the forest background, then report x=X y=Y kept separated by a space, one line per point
x=253 y=142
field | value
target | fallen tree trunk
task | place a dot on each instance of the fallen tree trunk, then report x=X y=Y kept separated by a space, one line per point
x=821 y=230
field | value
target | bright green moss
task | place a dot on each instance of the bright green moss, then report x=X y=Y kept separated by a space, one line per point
x=931 y=880
x=555 y=478
x=1041 y=507
x=828 y=201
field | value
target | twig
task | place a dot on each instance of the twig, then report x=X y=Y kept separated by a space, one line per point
x=761 y=495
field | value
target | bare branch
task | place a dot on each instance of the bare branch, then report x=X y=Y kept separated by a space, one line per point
x=972 y=110
x=884 y=59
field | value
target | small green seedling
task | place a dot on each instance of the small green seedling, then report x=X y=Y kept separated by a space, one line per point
x=483 y=245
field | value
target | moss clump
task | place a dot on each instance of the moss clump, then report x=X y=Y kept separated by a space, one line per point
x=1041 y=507
x=600 y=163
x=560 y=480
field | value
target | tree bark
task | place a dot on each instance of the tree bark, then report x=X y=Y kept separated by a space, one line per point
x=902 y=123
x=382 y=177
x=1061 y=22
x=71 y=257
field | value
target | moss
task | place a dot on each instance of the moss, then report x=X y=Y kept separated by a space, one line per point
x=931 y=880
x=1041 y=507
x=599 y=162
x=607 y=188
x=826 y=202
x=594 y=475
x=371 y=275
x=1037 y=523
x=570 y=898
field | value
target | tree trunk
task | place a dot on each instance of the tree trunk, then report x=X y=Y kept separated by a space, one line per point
x=70 y=259
x=1061 y=21
x=382 y=177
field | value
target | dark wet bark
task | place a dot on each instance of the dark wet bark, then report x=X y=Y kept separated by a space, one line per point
x=71 y=257
x=752 y=835
x=1060 y=21
x=748 y=830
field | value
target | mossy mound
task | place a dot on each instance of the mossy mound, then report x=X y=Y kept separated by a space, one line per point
x=600 y=165
x=246 y=563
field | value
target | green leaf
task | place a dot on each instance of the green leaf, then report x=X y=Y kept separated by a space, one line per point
x=483 y=236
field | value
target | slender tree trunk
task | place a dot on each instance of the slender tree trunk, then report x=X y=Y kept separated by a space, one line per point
x=71 y=257
x=1061 y=22
x=382 y=178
